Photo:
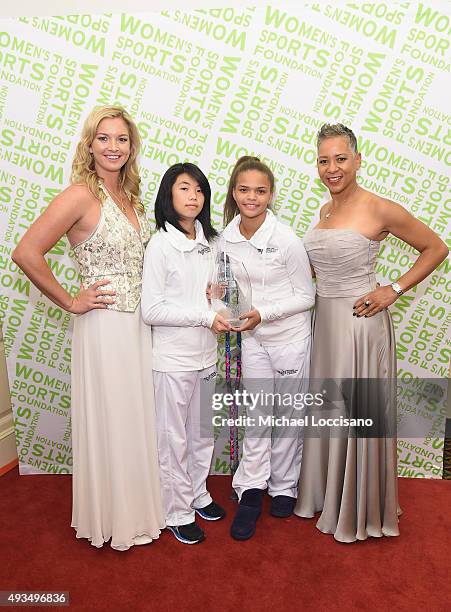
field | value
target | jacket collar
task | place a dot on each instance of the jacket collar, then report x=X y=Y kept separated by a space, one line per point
x=180 y=241
x=261 y=237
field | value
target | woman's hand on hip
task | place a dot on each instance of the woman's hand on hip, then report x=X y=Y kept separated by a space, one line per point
x=92 y=298
x=375 y=301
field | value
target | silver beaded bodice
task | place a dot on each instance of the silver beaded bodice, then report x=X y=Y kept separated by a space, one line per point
x=115 y=251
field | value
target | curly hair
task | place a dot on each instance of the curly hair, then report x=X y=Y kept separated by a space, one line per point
x=245 y=163
x=83 y=169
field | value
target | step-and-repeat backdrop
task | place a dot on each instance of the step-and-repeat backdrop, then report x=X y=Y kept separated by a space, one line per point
x=208 y=86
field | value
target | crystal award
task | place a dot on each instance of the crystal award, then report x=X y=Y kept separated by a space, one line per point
x=231 y=293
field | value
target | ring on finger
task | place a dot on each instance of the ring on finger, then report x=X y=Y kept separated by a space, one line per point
x=367 y=303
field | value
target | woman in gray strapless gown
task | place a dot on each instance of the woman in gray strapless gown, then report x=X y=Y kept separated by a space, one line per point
x=350 y=474
x=352 y=480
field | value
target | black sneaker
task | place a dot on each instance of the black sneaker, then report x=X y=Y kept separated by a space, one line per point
x=282 y=506
x=188 y=534
x=249 y=509
x=212 y=512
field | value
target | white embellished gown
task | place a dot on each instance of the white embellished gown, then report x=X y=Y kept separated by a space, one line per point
x=116 y=485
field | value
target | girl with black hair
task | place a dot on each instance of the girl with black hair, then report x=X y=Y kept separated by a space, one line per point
x=178 y=267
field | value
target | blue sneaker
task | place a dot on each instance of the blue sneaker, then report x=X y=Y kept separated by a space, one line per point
x=188 y=534
x=212 y=512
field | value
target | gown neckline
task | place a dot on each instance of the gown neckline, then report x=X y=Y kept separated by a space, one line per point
x=343 y=229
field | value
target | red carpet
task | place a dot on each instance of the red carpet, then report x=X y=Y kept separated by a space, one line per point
x=289 y=565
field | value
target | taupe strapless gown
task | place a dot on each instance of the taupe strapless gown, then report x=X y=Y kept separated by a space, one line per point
x=351 y=480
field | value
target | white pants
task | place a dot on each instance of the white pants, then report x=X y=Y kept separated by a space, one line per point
x=272 y=460
x=185 y=455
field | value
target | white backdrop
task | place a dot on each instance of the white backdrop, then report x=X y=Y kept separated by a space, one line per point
x=208 y=86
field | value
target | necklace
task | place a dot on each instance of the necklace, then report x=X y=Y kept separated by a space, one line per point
x=331 y=212
x=119 y=200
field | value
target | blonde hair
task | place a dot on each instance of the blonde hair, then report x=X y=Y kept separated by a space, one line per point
x=83 y=169
x=245 y=163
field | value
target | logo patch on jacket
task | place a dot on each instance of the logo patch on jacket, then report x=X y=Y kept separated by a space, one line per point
x=203 y=250
x=268 y=250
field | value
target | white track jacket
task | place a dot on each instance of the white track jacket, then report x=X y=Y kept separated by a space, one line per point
x=281 y=279
x=176 y=274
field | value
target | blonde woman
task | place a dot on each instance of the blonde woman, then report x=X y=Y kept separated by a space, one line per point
x=116 y=491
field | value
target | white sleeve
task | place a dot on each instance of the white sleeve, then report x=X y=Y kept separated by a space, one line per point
x=300 y=275
x=154 y=307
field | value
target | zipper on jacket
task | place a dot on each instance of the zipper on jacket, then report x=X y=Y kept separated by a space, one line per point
x=203 y=330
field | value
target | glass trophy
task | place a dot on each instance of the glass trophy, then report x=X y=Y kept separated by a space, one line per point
x=231 y=293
